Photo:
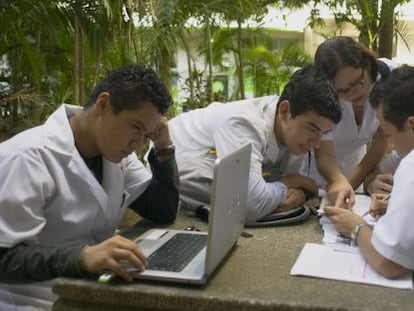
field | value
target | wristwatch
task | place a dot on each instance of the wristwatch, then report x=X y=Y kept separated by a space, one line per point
x=355 y=232
x=166 y=151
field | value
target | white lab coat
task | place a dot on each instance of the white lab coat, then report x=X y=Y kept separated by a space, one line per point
x=224 y=127
x=349 y=141
x=348 y=138
x=393 y=235
x=390 y=163
x=48 y=196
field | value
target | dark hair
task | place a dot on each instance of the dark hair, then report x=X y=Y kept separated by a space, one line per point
x=396 y=96
x=308 y=90
x=131 y=86
x=338 y=52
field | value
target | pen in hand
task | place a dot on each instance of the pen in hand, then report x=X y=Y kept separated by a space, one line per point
x=370 y=210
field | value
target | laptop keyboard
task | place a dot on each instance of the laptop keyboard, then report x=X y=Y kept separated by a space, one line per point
x=176 y=253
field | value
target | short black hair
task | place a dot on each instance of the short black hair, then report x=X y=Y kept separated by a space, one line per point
x=396 y=96
x=309 y=90
x=131 y=86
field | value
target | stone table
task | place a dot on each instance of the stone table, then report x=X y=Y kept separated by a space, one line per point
x=254 y=277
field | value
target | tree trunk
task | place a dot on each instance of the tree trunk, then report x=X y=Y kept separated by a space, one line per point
x=240 y=60
x=386 y=30
x=210 y=95
x=164 y=65
x=79 y=65
x=190 y=72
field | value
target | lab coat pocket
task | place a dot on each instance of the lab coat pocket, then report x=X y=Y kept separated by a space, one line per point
x=119 y=211
x=125 y=200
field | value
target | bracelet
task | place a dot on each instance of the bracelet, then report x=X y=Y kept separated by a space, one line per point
x=355 y=232
x=166 y=151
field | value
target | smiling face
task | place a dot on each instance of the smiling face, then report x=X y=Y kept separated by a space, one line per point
x=302 y=133
x=353 y=84
x=401 y=140
x=118 y=135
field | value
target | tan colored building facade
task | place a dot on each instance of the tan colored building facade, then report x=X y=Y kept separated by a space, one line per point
x=403 y=51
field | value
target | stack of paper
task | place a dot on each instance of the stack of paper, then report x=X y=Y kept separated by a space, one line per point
x=339 y=258
x=332 y=237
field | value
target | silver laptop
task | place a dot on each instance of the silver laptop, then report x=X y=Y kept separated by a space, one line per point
x=194 y=262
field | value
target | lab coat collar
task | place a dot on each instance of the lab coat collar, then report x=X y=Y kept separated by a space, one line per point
x=58 y=133
x=59 y=138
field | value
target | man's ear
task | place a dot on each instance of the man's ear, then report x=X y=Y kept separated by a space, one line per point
x=102 y=103
x=410 y=122
x=284 y=110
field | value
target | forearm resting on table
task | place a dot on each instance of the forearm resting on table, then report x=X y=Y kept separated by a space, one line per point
x=297 y=181
x=263 y=197
x=378 y=262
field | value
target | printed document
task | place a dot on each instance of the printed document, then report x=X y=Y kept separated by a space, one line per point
x=339 y=258
x=322 y=261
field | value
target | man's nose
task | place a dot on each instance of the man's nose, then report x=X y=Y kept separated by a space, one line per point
x=316 y=141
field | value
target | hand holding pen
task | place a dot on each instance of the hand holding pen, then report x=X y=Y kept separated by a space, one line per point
x=379 y=204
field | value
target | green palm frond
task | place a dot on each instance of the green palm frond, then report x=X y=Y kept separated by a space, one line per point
x=402 y=31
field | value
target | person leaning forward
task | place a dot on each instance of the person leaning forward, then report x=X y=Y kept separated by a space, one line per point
x=281 y=130
x=66 y=184
x=388 y=247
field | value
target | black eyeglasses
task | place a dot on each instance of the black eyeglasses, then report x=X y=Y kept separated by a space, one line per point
x=355 y=86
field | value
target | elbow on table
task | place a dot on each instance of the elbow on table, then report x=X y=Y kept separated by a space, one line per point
x=390 y=269
x=258 y=205
x=250 y=218
x=253 y=214
x=168 y=218
x=165 y=217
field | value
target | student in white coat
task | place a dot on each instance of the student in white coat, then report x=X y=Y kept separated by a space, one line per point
x=353 y=69
x=389 y=247
x=281 y=130
x=381 y=180
x=65 y=186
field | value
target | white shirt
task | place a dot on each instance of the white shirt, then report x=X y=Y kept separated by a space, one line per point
x=349 y=138
x=226 y=126
x=49 y=196
x=393 y=235
x=390 y=162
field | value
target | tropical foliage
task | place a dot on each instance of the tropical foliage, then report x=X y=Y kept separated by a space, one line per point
x=54 y=51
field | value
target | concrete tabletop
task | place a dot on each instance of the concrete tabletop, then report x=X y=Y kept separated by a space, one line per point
x=254 y=277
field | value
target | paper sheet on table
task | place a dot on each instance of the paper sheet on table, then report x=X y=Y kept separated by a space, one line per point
x=322 y=261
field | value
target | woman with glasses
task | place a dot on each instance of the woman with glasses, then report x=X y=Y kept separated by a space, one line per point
x=353 y=70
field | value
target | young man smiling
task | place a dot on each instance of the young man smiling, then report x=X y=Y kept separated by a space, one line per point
x=66 y=185
x=281 y=130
